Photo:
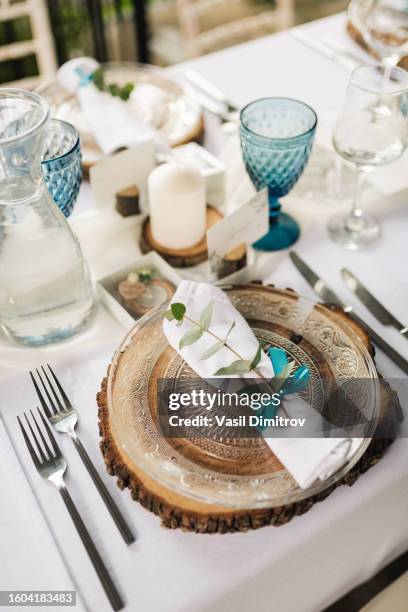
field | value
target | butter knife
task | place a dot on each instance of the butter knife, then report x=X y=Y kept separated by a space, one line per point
x=330 y=297
x=371 y=302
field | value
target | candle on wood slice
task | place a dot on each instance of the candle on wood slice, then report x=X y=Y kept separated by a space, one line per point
x=177 y=205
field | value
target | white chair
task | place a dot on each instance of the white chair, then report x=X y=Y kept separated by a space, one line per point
x=198 y=42
x=41 y=44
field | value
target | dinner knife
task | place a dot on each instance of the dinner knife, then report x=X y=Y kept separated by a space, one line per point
x=330 y=297
x=371 y=302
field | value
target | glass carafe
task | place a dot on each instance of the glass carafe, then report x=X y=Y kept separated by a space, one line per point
x=45 y=288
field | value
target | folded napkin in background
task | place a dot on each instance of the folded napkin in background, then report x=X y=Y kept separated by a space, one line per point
x=114 y=123
x=307 y=459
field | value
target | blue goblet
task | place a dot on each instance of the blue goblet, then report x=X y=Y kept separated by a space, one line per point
x=62 y=164
x=276 y=139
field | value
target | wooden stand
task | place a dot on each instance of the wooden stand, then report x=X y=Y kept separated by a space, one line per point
x=186 y=258
x=177 y=511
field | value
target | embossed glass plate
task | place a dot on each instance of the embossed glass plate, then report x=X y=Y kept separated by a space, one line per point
x=180 y=123
x=238 y=473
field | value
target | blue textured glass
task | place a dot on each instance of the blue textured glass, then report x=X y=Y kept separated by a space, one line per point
x=62 y=164
x=276 y=138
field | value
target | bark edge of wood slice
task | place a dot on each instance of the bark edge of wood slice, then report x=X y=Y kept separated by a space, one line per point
x=177 y=511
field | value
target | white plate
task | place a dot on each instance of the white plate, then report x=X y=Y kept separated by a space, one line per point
x=182 y=121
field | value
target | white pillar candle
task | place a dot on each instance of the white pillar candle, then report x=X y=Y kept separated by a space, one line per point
x=177 y=205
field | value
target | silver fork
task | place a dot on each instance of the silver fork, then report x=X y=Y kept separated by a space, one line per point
x=64 y=418
x=51 y=465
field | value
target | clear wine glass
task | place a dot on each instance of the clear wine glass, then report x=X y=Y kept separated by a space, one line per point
x=384 y=26
x=371 y=131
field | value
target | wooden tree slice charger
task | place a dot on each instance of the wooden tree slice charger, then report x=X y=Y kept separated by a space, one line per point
x=179 y=511
x=185 y=258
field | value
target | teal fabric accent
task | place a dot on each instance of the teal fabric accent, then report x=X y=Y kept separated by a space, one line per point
x=278 y=358
x=293 y=384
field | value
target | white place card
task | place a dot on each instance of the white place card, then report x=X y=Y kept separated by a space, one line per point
x=120 y=171
x=244 y=226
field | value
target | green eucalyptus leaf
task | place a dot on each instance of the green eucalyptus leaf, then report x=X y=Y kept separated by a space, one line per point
x=240 y=366
x=276 y=384
x=258 y=356
x=212 y=350
x=190 y=337
x=229 y=331
x=206 y=315
x=280 y=380
x=168 y=315
x=178 y=311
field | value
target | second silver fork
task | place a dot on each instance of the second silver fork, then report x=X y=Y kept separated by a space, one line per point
x=51 y=465
x=64 y=418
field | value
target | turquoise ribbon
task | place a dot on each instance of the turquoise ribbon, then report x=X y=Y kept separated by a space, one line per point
x=85 y=77
x=293 y=384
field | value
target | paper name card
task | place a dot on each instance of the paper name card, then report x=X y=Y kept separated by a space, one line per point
x=244 y=226
x=120 y=171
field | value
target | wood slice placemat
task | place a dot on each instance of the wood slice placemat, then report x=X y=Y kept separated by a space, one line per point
x=178 y=511
x=192 y=256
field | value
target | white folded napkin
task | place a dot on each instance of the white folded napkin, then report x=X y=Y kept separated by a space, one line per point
x=113 y=123
x=307 y=459
x=195 y=296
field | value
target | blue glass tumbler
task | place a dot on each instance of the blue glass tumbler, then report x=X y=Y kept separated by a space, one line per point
x=62 y=163
x=276 y=138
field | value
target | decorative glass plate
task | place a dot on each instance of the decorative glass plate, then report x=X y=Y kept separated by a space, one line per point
x=182 y=120
x=232 y=473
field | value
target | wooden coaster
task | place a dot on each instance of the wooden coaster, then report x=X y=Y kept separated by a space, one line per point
x=232 y=262
x=127 y=201
x=189 y=514
x=185 y=258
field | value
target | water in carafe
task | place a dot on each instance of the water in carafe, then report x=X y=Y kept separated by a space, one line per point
x=45 y=288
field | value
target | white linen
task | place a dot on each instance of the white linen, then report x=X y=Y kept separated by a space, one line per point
x=19 y=509
x=172 y=571
x=307 y=459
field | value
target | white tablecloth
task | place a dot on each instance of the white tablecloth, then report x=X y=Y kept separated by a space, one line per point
x=300 y=567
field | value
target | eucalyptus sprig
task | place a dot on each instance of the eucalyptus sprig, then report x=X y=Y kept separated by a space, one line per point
x=178 y=312
x=120 y=91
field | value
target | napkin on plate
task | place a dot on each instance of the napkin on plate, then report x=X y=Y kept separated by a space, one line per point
x=307 y=459
x=113 y=122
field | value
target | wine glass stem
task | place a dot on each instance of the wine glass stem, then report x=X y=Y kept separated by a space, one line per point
x=274 y=206
x=354 y=221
